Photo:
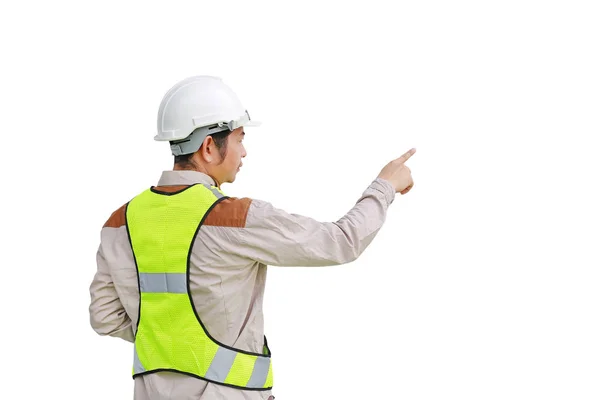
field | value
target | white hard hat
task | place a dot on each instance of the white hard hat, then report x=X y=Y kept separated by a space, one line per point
x=198 y=102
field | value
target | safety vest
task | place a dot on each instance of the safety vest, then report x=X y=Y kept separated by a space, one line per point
x=169 y=334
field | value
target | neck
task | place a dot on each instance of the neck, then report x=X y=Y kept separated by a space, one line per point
x=197 y=168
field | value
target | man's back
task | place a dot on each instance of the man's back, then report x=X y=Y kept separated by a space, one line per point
x=227 y=291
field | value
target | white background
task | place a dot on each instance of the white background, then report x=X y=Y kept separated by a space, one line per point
x=482 y=284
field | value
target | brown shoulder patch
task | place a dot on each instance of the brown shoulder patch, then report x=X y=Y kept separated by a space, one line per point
x=231 y=212
x=117 y=219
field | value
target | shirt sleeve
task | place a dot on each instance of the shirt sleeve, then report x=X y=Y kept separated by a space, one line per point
x=275 y=237
x=107 y=314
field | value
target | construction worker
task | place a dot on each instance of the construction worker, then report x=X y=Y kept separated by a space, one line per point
x=181 y=267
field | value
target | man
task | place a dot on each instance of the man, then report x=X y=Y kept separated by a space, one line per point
x=182 y=267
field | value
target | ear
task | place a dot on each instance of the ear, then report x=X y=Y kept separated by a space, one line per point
x=207 y=150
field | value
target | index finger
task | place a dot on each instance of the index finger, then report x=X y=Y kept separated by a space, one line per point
x=404 y=157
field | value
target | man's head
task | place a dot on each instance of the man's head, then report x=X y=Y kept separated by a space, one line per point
x=204 y=121
x=219 y=156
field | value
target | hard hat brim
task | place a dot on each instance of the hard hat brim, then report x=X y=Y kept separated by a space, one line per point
x=253 y=123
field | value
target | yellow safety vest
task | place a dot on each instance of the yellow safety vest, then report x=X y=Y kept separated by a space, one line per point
x=169 y=335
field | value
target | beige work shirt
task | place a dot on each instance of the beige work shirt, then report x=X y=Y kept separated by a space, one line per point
x=228 y=268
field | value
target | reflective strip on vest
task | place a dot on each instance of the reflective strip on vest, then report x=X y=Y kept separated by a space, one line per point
x=163 y=283
x=170 y=335
x=216 y=191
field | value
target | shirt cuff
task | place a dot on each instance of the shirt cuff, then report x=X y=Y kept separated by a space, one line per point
x=386 y=188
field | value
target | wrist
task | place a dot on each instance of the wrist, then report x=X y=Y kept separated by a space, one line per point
x=386 y=187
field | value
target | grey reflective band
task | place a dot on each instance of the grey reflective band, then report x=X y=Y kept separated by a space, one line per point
x=163 y=283
x=137 y=365
x=223 y=361
x=220 y=365
x=260 y=372
x=214 y=191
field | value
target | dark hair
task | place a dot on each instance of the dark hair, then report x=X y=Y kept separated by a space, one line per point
x=220 y=139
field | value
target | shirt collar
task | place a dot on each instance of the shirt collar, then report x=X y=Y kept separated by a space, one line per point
x=184 y=177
